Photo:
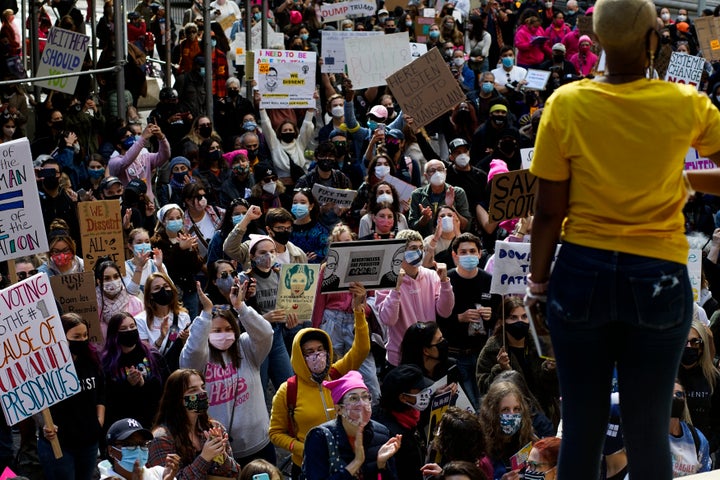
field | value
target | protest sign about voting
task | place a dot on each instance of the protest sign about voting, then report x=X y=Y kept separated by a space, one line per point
x=22 y=229
x=332 y=49
x=36 y=370
x=512 y=195
x=511 y=265
x=64 y=53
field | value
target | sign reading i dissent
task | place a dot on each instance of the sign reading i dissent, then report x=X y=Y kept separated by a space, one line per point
x=102 y=232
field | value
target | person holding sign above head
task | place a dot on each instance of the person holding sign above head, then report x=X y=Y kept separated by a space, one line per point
x=62 y=258
x=619 y=292
x=79 y=418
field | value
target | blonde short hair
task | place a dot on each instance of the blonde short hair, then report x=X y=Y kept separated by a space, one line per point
x=620 y=24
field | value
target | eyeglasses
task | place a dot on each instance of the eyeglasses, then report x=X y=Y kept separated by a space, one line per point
x=679 y=394
x=340 y=144
x=433 y=170
x=24 y=275
x=231 y=273
x=694 y=342
x=302 y=190
x=270 y=179
x=535 y=465
x=282 y=229
x=329 y=159
x=356 y=398
x=392 y=141
x=197 y=197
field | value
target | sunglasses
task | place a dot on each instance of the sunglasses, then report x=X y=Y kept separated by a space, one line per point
x=232 y=273
x=24 y=275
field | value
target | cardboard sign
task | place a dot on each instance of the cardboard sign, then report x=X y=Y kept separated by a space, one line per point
x=585 y=26
x=297 y=289
x=332 y=49
x=331 y=12
x=285 y=78
x=426 y=88
x=511 y=266
x=686 y=69
x=423 y=24
x=64 y=53
x=693 y=161
x=526 y=156
x=227 y=22
x=22 y=229
x=75 y=293
x=537 y=79
x=102 y=232
x=37 y=370
x=708 y=33
x=512 y=195
x=341 y=197
x=374 y=263
x=371 y=60
x=694 y=266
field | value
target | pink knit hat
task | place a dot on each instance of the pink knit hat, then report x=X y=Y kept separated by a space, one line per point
x=585 y=38
x=295 y=17
x=230 y=156
x=497 y=166
x=338 y=388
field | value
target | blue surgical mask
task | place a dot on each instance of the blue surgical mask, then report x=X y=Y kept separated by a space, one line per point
x=257 y=16
x=434 y=34
x=128 y=142
x=225 y=284
x=413 y=257
x=141 y=248
x=508 y=62
x=213 y=42
x=468 y=262
x=300 y=210
x=487 y=87
x=304 y=36
x=510 y=423
x=372 y=124
x=249 y=126
x=96 y=174
x=202 y=71
x=237 y=218
x=174 y=225
x=130 y=455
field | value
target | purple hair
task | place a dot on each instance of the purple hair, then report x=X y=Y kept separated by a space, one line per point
x=112 y=349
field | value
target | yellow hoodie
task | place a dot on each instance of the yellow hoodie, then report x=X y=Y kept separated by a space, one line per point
x=314 y=405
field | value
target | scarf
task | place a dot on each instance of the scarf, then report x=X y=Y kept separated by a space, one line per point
x=407 y=419
x=111 y=306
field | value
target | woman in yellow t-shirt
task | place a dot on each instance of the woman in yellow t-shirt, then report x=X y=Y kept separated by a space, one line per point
x=609 y=156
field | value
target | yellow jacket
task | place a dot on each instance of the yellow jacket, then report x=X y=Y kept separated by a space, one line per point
x=314 y=405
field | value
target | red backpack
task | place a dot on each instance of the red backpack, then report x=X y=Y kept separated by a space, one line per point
x=291 y=398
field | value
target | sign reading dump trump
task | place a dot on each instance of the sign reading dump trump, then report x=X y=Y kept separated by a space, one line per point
x=331 y=12
x=36 y=370
x=64 y=53
x=374 y=263
x=684 y=68
x=512 y=195
x=22 y=230
x=426 y=89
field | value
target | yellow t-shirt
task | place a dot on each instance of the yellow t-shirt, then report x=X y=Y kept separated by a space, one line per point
x=623 y=147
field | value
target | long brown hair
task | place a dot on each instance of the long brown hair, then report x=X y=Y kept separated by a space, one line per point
x=175 y=305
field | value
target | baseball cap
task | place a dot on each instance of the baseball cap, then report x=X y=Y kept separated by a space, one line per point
x=137 y=185
x=458 y=142
x=109 y=182
x=123 y=428
x=378 y=111
x=559 y=47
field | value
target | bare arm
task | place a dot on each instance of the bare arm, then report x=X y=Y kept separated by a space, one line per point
x=551 y=205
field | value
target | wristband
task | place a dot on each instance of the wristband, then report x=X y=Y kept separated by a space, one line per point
x=292 y=444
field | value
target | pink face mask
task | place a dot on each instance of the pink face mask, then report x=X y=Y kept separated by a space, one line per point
x=383 y=225
x=317 y=361
x=63 y=259
x=584 y=48
x=358 y=415
x=221 y=340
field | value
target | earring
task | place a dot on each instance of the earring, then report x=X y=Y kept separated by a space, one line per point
x=651 y=72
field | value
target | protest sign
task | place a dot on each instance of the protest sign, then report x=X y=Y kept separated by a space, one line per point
x=694 y=266
x=227 y=23
x=526 y=156
x=285 y=78
x=708 y=33
x=64 y=53
x=417 y=50
x=238 y=50
x=370 y=60
x=693 y=161
x=404 y=189
x=537 y=79
x=341 y=197
x=511 y=264
x=438 y=406
x=75 y=292
x=512 y=195
x=297 y=289
x=332 y=49
x=331 y=12
x=519 y=460
x=585 y=26
x=374 y=263
x=426 y=88
x=101 y=231
x=684 y=68
x=37 y=370
x=423 y=24
x=22 y=229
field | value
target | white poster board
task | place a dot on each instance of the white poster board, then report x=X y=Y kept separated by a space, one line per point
x=536 y=79
x=285 y=78
x=693 y=161
x=371 y=60
x=331 y=12
x=694 y=266
x=511 y=266
x=64 y=53
x=332 y=49
x=374 y=263
x=238 y=49
x=684 y=68
x=526 y=156
x=341 y=197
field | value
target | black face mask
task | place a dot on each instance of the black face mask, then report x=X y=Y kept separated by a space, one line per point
x=79 y=347
x=287 y=137
x=517 y=330
x=51 y=183
x=325 y=165
x=162 y=297
x=281 y=237
x=215 y=156
x=112 y=197
x=128 y=338
x=58 y=124
x=340 y=151
x=665 y=40
x=558 y=58
x=499 y=121
x=442 y=348
x=690 y=356
x=678 y=407
x=232 y=93
x=205 y=131
x=252 y=153
x=507 y=147
x=390 y=30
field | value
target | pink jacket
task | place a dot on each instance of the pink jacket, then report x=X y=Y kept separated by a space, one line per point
x=419 y=300
x=138 y=164
x=571 y=42
x=584 y=66
x=527 y=52
x=556 y=35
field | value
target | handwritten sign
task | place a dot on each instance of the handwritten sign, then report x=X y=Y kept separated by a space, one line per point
x=239 y=51
x=511 y=266
x=693 y=161
x=332 y=48
x=537 y=79
x=64 y=53
x=285 y=78
x=297 y=289
x=75 y=292
x=512 y=195
x=694 y=266
x=426 y=88
x=404 y=189
x=374 y=263
x=37 y=370
x=102 y=232
x=423 y=24
x=585 y=26
x=370 y=60
x=708 y=33
x=684 y=68
x=22 y=230
x=526 y=156
x=331 y=12
x=343 y=198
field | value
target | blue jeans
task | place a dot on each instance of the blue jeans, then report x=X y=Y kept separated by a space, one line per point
x=276 y=366
x=609 y=308
x=77 y=463
x=466 y=365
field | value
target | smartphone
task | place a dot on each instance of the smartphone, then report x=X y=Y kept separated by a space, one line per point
x=261 y=476
x=381 y=128
x=81 y=193
x=242 y=278
x=151 y=119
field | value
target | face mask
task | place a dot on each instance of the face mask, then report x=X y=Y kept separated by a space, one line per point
x=678 y=407
x=162 y=297
x=487 y=87
x=9 y=131
x=533 y=475
x=174 y=225
x=62 y=259
x=304 y=37
x=252 y=153
x=681 y=18
x=232 y=93
x=196 y=402
x=281 y=237
x=358 y=415
x=237 y=218
x=390 y=30
x=130 y=455
x=128 y=142
x=690 y=356
x=222 y=340
x=458 y=61
x=558 y=58
x=213 y=42
x=300 y=210
x=507 y=147
x=250 y=126
x=384 y=197
x=559 y=23
x=372 y=124
x=548 y=4
x=510 y=423
x=225 y=284
x=265 y=261
x=239 y=171
x=498 y=121
x=129 y=338
x=449 y=52
x=384 y=225
x=202 y=71
x=340 y=152
x=508 y=62
x=205 y=131
x=113 y=287
x=96 y=174
x=422 y=399
x=348 y=29
x=79 y=347
x=434 y=34
x=462 y=160
x=215 y=156
x=413 y=257
x=325 y=165
x=58 y=124
x=269 y=187
x=337 y=111
x=381 y=171
x=437 y=179
x=517 y=330
x=51 y=183
x=317 y=361
x=257 y=16
x=585 y=48
x=287 y=137
x=179 y=177
x=447 y=224
x=408 y=23
x=665 y=17
x=468 y=262
x=443 y=349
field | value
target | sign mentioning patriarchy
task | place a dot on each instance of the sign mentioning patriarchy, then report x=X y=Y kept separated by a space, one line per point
x=102 y=232
x=511 y=266
x=374 y=263
x=512 y=195
x=22 y=230
x=426 y=88
x=343 y=198
x=75 y=292
x=285 y=78
x=332 y=48
x=684 y=68
x=36 y=370
x=64 y=53
x=297 y=289
x=331 y=12
x=370 y=60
